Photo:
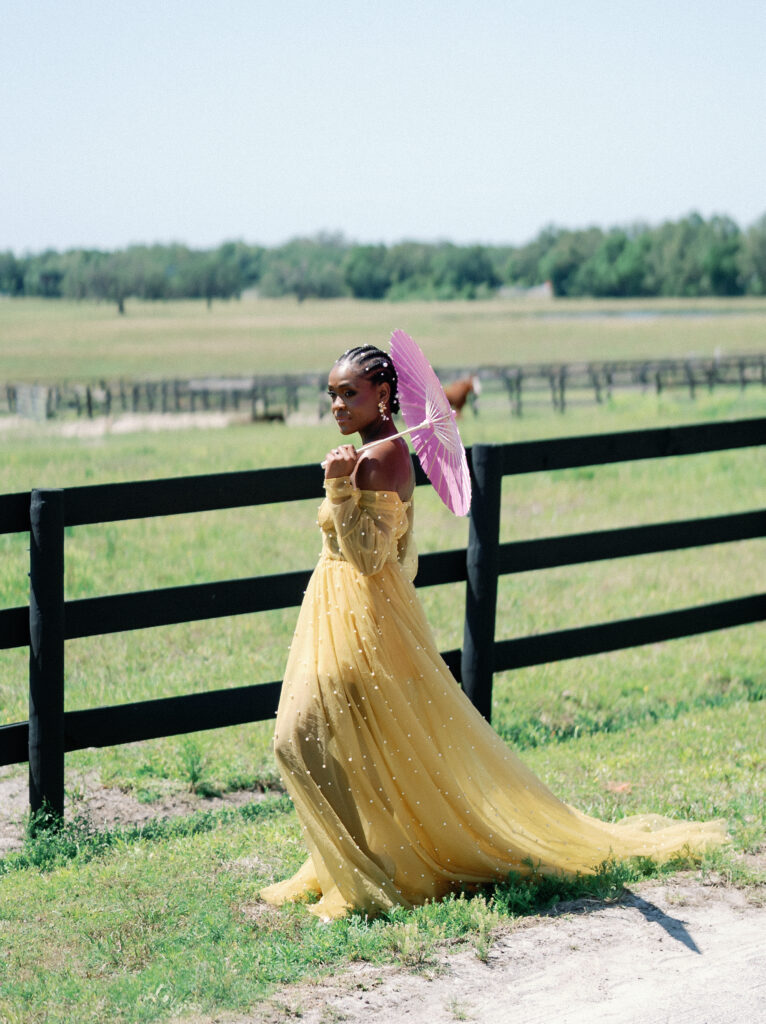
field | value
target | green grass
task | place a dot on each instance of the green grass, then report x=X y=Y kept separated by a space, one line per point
x=57 y=340
x=161 y=922
x=155 y=923
x=700 y=765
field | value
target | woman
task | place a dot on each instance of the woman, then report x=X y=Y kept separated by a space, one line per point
x=403 y=791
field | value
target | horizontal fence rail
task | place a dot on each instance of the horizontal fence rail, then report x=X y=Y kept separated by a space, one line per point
x=615 y=636
x=49 y=620
x=549 y=552
x=630 y=446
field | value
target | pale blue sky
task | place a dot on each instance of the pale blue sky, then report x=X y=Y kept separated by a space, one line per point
x=141 y=120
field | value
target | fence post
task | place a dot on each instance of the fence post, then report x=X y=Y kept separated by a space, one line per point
x=477 y=662
x=554 y=390
x=595 y=380
x=689 y=371
x=46 y=651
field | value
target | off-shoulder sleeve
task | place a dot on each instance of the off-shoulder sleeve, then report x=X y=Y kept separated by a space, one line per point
x=367 y=531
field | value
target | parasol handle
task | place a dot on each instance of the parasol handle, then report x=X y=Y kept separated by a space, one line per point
x=371 y=444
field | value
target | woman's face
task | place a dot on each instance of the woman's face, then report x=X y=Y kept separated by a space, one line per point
x=354 y=398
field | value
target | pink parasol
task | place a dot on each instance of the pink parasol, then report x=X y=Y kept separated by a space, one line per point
x=431 y=424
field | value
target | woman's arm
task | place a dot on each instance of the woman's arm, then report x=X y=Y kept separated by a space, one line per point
x=367 y=534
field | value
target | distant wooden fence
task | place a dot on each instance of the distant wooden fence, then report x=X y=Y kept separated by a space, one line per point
x=49 y=620
x=276 y=396
x=564 y=384
x=265 y=397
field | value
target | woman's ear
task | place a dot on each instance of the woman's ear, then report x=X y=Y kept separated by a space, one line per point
x=384 y=392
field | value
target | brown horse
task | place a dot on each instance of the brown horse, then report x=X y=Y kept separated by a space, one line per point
x=458 y=391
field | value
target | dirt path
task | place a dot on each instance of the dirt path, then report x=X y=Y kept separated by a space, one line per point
x=681 y=952
x=125 y=423
x=677 y=953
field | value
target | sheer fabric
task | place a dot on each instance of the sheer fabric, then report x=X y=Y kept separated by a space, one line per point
x=403 y=791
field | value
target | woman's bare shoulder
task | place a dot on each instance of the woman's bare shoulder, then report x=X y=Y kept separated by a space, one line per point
x=386 y=467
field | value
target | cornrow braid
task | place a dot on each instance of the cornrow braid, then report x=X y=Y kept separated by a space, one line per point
x=376 y=366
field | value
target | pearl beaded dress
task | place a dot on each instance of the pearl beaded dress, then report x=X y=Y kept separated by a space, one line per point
x=403 y=791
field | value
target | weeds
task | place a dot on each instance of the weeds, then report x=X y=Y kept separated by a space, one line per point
x=719 y=866
x=412 y=947
x=458 y=1009
x=194 y=768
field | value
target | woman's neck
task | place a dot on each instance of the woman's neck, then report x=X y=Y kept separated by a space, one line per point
x=376 y=431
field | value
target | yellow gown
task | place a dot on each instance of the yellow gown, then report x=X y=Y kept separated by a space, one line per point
x=403 y=791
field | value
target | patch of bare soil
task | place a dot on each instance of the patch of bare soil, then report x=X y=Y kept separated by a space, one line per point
x=104 y=806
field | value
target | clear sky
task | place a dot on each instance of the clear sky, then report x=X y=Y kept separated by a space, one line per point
x=128 y=121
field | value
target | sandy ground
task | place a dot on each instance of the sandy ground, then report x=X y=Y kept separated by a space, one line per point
x=125 y=423
x=677 y=953
x=680 y=952
x=86 y=429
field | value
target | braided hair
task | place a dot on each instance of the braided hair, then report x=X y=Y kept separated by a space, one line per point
x=375 y=366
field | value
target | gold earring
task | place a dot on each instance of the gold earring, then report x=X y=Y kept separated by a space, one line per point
x=382 y=409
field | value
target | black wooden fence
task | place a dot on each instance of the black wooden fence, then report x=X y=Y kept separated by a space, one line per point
x=49 y=620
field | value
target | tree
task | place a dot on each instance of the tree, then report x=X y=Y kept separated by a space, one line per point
x=461 y=271
x=562 y=263
x=523 y=266
x=306 y=267
x=43 y=275
x=366 y=271
x=108 y=279
x=409 y=268
x=722 y=258
x=752 y=258
x=676 y=258
x=11 y=274
x=617 y=268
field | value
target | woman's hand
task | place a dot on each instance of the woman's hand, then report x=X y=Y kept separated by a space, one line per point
x=340 y=462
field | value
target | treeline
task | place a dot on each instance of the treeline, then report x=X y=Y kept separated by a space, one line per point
x=686 y=258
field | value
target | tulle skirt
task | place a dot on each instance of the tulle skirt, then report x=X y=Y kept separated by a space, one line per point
x=403 y=791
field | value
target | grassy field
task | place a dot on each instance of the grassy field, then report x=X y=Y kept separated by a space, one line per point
x=54 y=341
x=152 y=925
